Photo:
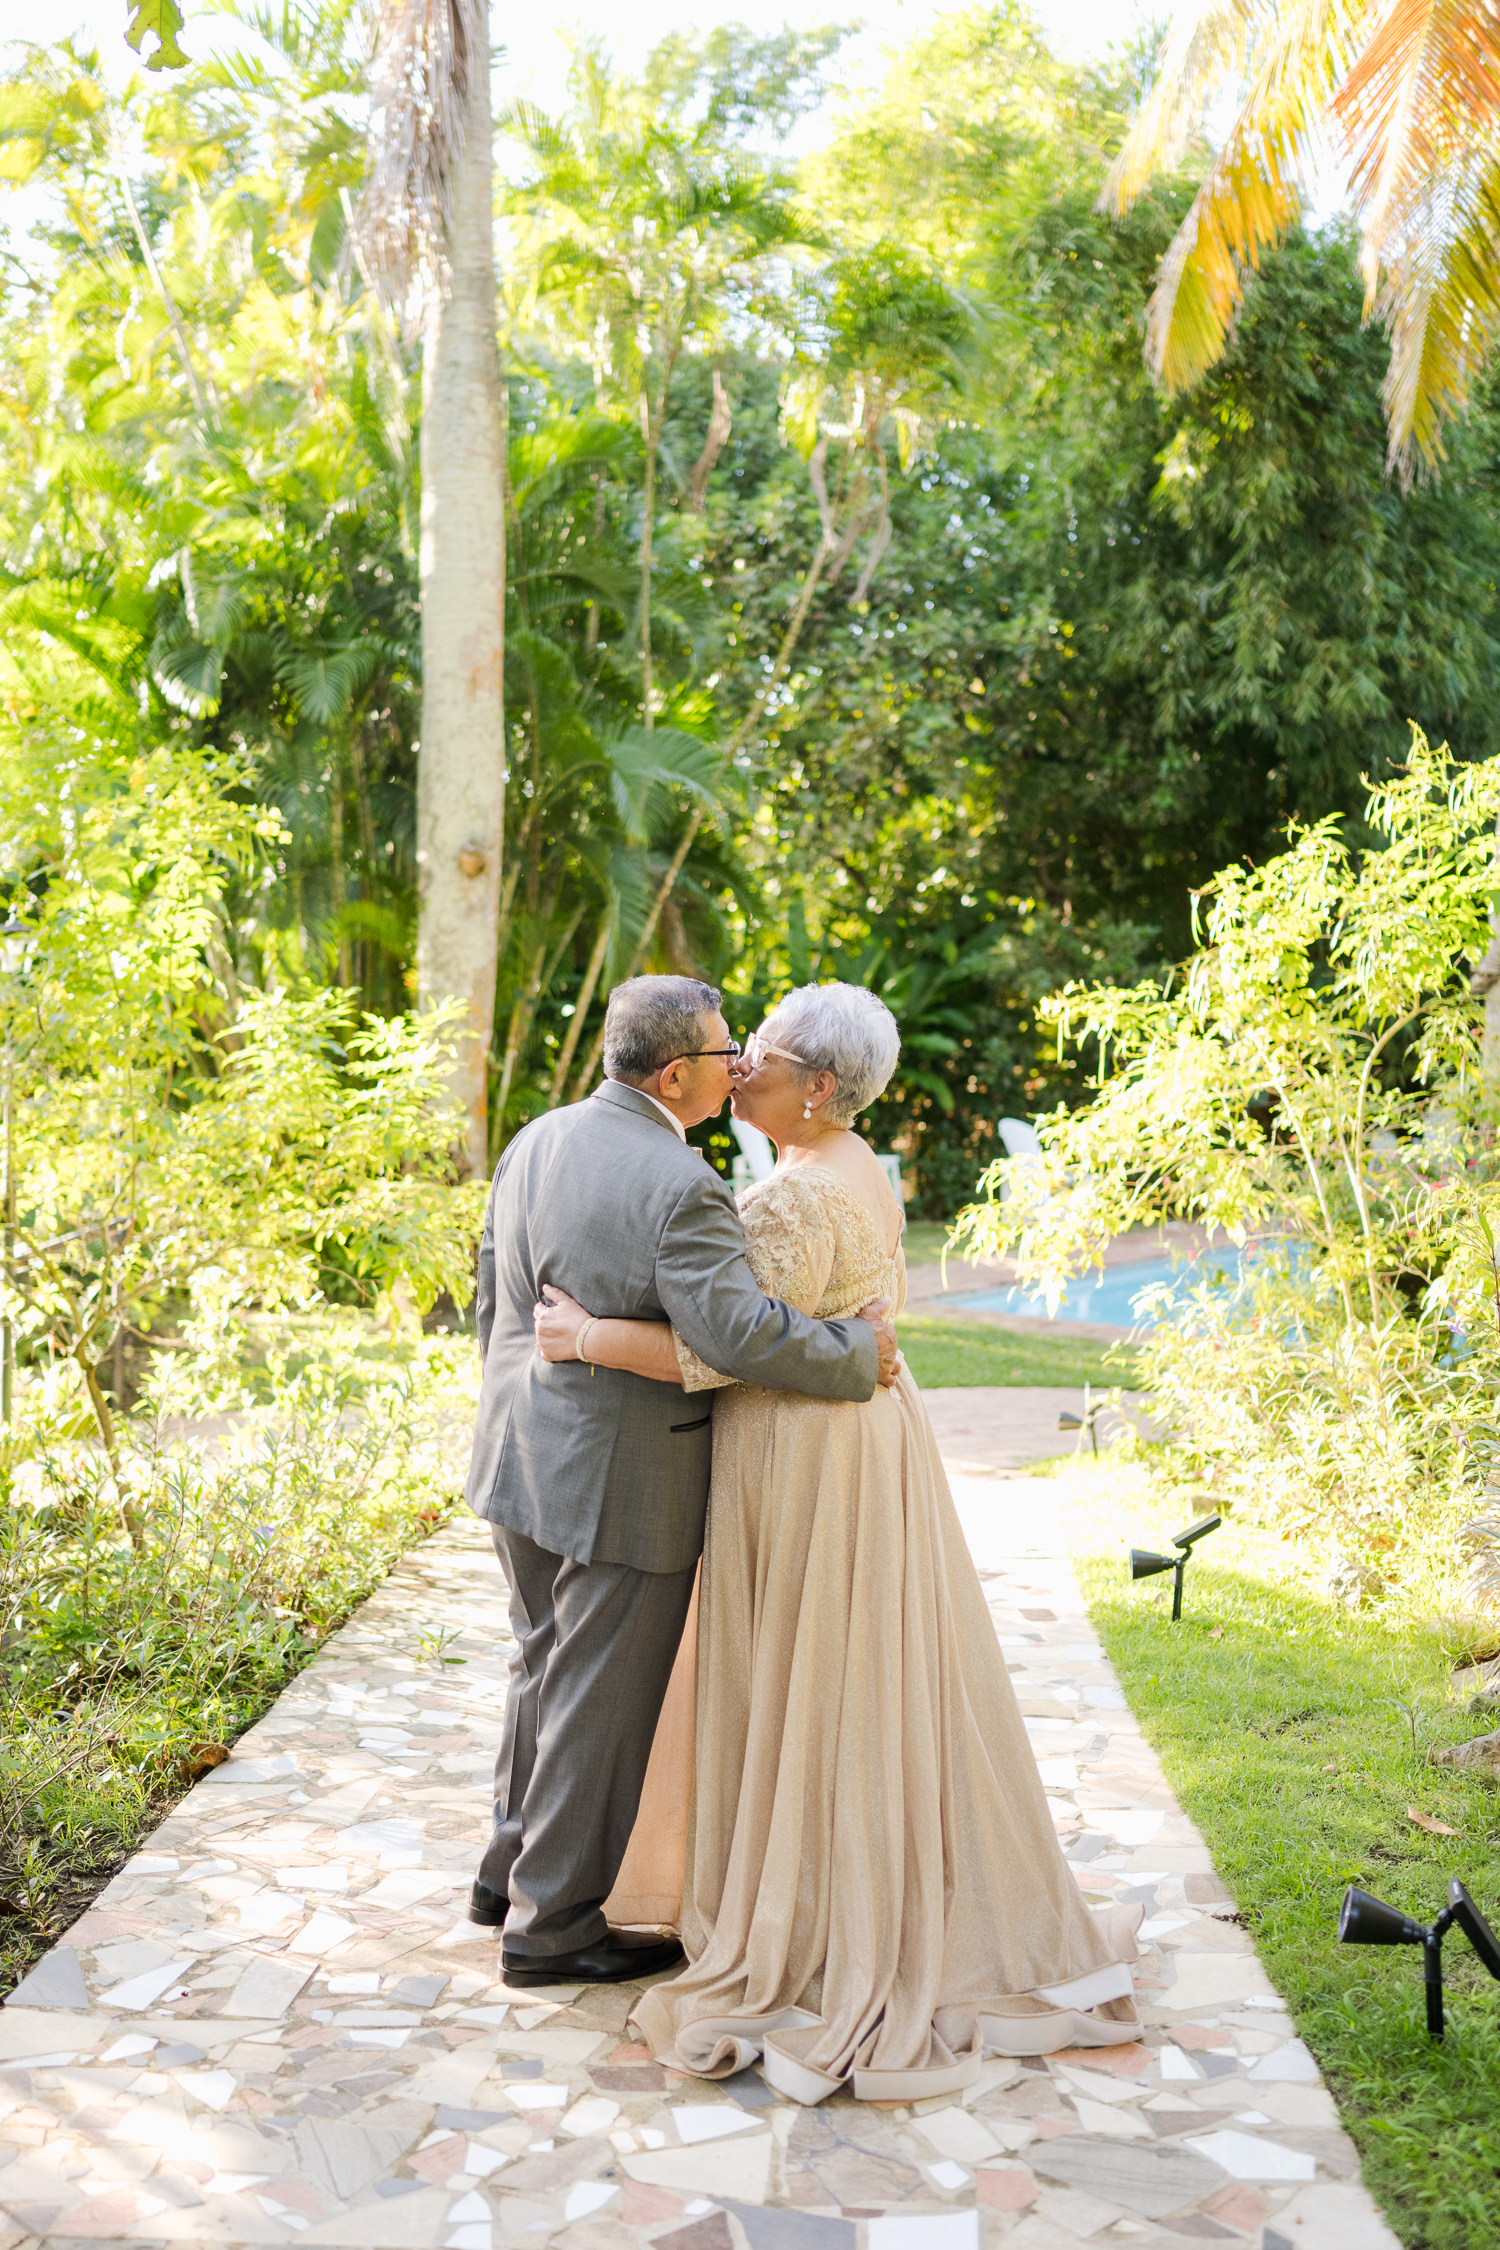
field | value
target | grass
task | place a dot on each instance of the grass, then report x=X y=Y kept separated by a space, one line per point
x=1294 y=1735
x=924 y=1239
x=963 y=1353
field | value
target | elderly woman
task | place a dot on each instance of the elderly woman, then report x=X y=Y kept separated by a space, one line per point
x=873 y=1892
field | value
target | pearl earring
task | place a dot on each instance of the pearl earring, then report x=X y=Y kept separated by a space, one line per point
x=807 y=1109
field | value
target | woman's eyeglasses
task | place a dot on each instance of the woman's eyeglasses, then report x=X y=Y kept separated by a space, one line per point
x=757 y=1047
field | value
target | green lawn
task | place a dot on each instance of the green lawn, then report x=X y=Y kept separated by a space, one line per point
x=1285 y=1728
x=941 y=1353
x=924 y=1241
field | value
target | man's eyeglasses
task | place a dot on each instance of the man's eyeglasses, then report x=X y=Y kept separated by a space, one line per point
x=696 y=1054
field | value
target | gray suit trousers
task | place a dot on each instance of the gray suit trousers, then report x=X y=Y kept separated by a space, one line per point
x=595 y=1647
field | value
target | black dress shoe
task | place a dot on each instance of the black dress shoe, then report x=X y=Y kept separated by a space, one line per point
x=488 y=1907
x=618 y=1959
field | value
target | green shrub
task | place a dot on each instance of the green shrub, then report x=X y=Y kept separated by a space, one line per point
x=1311 y=1080
x=191 y=1150
x=125 y=1669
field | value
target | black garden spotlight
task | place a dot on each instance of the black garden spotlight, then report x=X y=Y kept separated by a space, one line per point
x=1085 y=1420
x=1144 y=1564
x=1364 y=1920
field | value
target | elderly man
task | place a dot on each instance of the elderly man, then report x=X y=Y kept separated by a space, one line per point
x=596 y=1481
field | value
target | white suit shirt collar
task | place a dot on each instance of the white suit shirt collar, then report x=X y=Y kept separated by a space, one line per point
x=674 y=1121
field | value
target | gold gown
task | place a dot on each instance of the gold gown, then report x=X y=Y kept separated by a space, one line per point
x=866 y=1876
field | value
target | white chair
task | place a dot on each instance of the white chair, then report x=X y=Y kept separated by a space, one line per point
x=1019 y=1137
x=757 y=1159
x=891 y=1164
x=1028 y=1175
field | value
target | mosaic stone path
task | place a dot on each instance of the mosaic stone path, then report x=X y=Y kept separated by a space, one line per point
x=276 y=2026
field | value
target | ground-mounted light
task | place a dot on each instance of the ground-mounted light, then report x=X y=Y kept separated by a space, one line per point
x=1364 y=1920
x=1145 y=1564
x=1084 y=1421
x=1092 y=1409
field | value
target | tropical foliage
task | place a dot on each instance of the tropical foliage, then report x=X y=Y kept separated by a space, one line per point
x=861 y=587
x=186 y=1149
x=1409 y=99
x=1309 y=1082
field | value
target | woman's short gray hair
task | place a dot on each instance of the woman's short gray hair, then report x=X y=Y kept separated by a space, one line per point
x=843 y=1028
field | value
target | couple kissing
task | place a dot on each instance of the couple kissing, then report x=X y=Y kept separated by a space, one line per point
x=796 y=1776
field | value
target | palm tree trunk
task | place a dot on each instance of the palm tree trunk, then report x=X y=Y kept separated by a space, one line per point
x=652 y=425
x=585 y=997
x=336 y=893
x=461 y=765
x=732 y=748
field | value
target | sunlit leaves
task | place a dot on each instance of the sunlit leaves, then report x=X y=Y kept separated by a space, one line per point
x=1303 y=1075
x=1412 y=95
x=158 y=21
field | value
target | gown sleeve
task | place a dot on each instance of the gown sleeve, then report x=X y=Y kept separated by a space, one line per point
x=789 y=1241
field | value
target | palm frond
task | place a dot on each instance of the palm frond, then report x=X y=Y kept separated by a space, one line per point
x=1292 y=57
x=324 y=682
x=425 y=51
x=1236 y=215
x=1441 y=304
x=1424 y=91
x=1420 y=116
x=645 y=761
x=543 y=460
x=1208 y=42
x=190 y=676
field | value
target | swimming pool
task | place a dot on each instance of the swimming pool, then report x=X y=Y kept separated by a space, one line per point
x=1108 y=1297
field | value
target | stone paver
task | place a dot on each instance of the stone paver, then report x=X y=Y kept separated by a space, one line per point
x=276 y=2026
x=981 y=1429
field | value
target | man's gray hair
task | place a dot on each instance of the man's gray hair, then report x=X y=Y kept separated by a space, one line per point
x=650 y=1021
x=843 y=1028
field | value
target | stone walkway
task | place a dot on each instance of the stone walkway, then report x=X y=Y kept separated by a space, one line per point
x=276 y=2025
x=981 y=1429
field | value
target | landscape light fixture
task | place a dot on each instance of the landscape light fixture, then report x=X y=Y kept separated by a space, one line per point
x=1085 y=1420
x=1145 y=1564
x=1364 y=1920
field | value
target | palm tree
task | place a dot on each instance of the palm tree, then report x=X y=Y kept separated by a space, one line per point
x=650 y=233
x=429 y=226
x=1409 y=95
x=428 y=237
x=893 y=338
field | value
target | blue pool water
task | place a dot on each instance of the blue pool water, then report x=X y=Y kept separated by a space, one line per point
x=1109 y=1296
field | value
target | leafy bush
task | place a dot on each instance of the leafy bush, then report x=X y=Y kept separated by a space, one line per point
x=188 y=1149
x=1311 y=1082
x=201 y=1164
x=124 y=1671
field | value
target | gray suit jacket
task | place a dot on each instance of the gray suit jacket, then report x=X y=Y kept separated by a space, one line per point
x=604 y=1200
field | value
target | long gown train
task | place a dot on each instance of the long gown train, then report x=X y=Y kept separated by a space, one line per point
x=858 y=1853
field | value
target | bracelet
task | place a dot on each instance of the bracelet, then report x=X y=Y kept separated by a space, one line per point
x=580 y=1339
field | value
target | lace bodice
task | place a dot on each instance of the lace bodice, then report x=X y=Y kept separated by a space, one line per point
x=812 y=1242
